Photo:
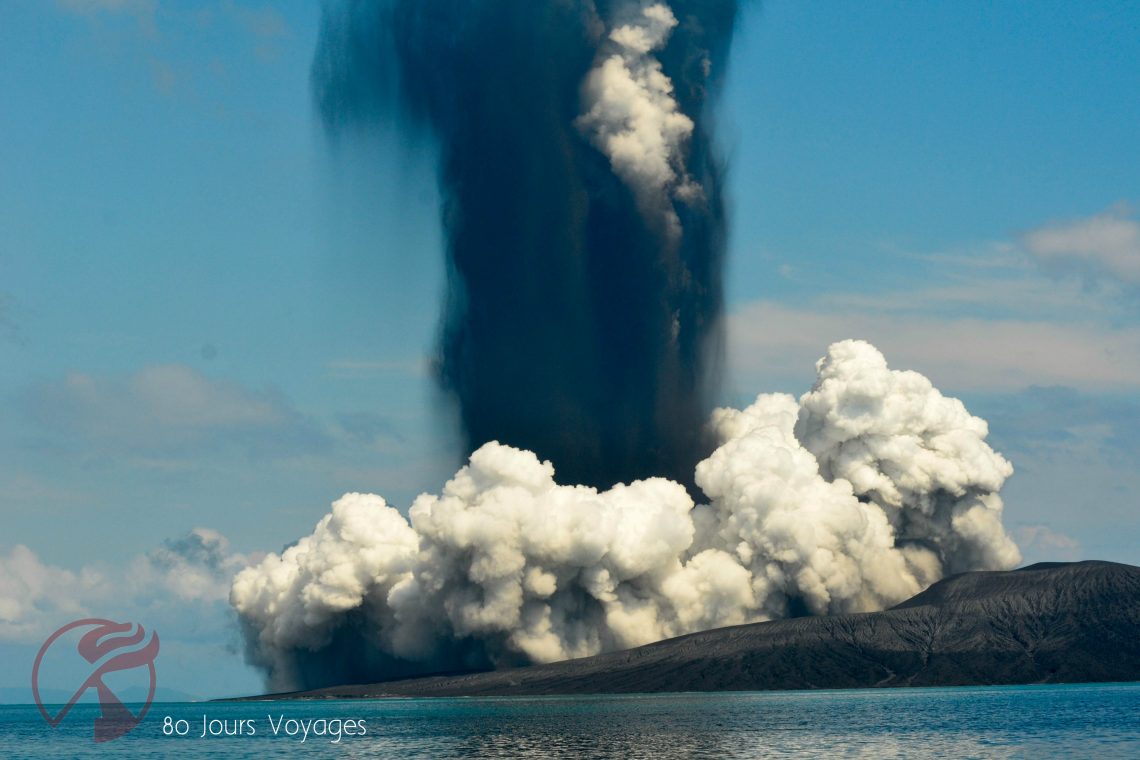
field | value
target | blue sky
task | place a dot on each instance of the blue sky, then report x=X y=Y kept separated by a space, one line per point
x=210 y=321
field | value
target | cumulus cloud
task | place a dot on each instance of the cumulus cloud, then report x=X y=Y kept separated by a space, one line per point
x=632 y=116
x=856 y=496
x=1103 y=248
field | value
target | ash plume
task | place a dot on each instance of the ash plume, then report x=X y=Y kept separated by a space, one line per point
x=583 y=211
x=864 y=491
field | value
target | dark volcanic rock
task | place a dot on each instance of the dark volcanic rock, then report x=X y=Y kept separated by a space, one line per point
x=1047 y=623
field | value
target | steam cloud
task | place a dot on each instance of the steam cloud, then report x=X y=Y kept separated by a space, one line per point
x=583 y=211
x=869 y=488
x=633 y=117
x=585 y=224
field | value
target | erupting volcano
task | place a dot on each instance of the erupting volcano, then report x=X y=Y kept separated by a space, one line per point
x=584 y=222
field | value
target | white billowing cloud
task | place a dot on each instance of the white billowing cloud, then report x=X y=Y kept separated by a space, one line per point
x=799 y=534
x=633 y=118
x=534 y=550
x=918 y=456
x=1101 y=247
x=36 y=597
x=355 y=553
x=866 y=490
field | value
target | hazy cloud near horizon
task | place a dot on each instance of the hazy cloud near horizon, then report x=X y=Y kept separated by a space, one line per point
x=1103 y=249
x=962 y=353
x=177 y=582
x=1040 y=543
x=997 y=316
x=171 y=410
x=177 y=589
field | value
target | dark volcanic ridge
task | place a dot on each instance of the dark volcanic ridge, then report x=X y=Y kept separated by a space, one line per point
x=1046 y=623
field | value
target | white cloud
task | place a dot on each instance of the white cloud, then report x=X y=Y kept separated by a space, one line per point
x=1101 y=247
x=961 y=353
x=191 y=573
x=32 y=593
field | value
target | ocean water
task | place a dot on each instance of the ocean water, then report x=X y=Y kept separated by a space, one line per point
x=1087 y=720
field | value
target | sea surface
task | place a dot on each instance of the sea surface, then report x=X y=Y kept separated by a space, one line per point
x=1071 y=721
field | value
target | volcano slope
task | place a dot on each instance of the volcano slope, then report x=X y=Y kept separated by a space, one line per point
x=1046 y=623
